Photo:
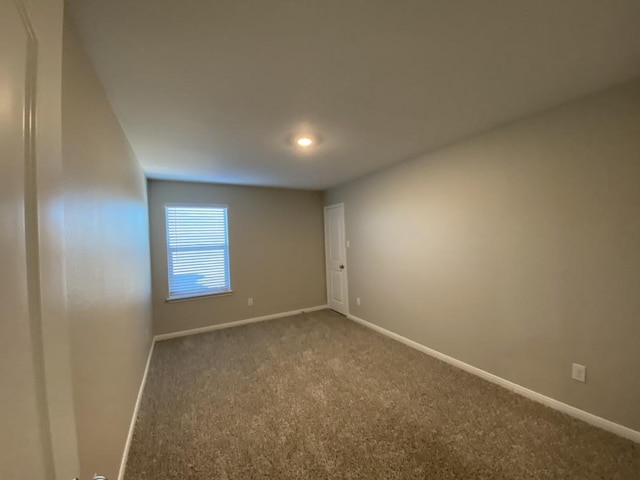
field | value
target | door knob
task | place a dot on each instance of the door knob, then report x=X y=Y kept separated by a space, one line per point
x=341 y=267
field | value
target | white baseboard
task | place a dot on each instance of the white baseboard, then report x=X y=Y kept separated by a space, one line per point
x=237 y=323
x=514 y=387
x=127 y=445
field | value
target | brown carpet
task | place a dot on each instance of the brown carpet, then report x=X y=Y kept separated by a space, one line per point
x=318 y=396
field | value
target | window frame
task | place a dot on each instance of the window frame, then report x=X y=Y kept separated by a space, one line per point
x=194 y=296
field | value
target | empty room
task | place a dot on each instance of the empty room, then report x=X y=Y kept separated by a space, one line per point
x=320 y=239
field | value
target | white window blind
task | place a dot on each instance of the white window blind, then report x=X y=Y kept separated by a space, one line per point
x=197 y=250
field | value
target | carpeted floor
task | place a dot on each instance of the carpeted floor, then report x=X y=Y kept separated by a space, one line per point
x=317 y=396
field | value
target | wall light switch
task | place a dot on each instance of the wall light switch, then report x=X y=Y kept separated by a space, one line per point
x=250 y=302
x=358 y=300
x=579 y=372
x=348 y=243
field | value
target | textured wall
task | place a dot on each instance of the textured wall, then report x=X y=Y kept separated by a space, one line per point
x=276 y=245
x=516 y=251
x=108 y=271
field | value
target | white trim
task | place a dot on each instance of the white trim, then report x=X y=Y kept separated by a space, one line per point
x=587 y=417
x=191 y=296
x=127 y=445
x=196 y=205
x=195 y=331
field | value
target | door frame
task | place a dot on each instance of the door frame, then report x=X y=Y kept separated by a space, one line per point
x=326 y=255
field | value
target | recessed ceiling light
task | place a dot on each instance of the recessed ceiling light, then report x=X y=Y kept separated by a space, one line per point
x=304 y=141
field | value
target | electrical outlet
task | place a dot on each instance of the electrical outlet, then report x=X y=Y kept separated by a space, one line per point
x=250 y=302
x=358 y=300
x=348 y=244
x=579 y=372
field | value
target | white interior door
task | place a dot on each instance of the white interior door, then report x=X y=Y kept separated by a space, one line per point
x=336 y=258
x=37 y=429
x=24 y=453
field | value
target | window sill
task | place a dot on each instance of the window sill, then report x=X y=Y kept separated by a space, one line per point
x=197 y=297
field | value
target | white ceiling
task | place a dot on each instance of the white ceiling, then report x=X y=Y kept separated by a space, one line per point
x=212 y=90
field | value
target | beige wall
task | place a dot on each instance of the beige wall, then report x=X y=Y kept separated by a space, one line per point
x=276 y=253
x=517 y=251
x=107 y=264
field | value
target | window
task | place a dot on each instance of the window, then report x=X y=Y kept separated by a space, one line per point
x=197 y=250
